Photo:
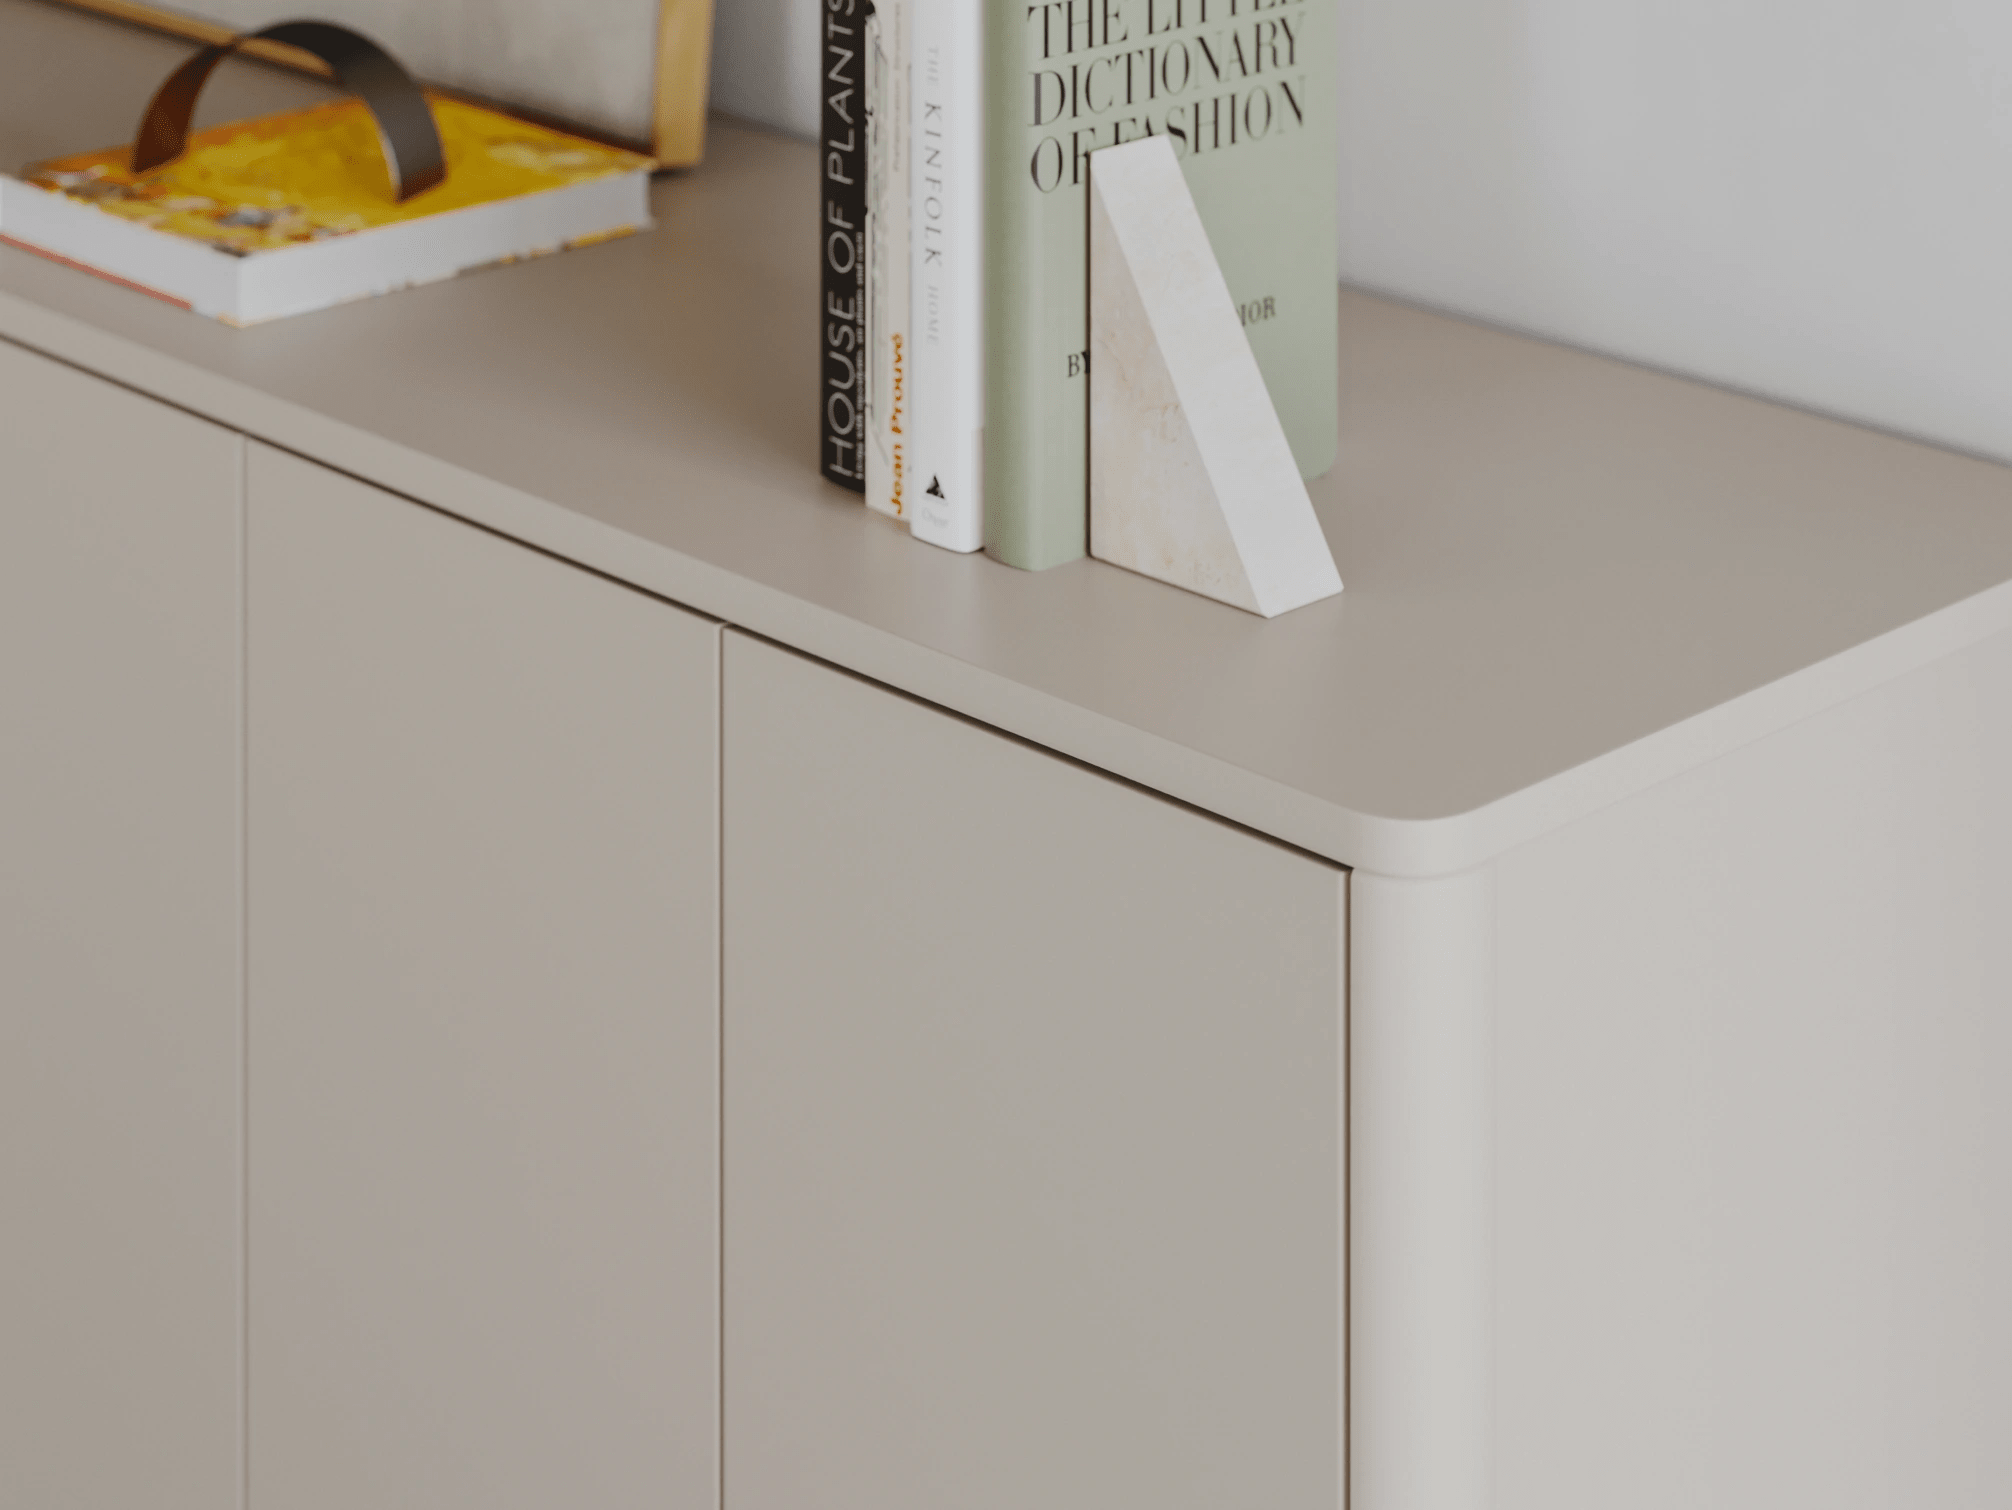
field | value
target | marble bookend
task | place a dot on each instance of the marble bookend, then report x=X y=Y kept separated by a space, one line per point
x=1191 y=478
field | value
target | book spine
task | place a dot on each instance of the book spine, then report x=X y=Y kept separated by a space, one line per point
x=888 y=382
x=947 y=207
x=1247 y=97
x=842 y=182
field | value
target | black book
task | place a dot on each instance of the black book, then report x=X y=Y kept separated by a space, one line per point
x=842 y=179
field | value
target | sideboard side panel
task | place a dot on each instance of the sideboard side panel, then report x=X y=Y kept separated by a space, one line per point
x=120 y=954
x=1421 y=1068
x=1033 y=1131
x=1754 y=1194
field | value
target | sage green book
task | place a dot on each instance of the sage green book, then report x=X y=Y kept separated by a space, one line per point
x=1246 y=91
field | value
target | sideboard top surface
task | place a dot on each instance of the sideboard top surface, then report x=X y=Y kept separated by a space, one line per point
x=1567 y=577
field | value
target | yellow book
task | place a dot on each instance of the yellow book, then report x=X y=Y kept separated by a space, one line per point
x=286 y=213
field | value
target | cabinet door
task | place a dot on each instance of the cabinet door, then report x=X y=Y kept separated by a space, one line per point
x=483 y=1018
x=120 y=1026
x=1033 y=1122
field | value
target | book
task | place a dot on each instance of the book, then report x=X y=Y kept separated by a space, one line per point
x=635 y=70
x=1245 y=90
x=947 y=208
x=888 y=418
x=842 y=235
x=288 y=213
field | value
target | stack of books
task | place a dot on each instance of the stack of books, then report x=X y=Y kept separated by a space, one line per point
x=954 y=208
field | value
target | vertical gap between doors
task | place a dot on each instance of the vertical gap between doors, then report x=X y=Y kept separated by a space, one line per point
x=1347 y=1107
x=244 y=972
x=719 y=1061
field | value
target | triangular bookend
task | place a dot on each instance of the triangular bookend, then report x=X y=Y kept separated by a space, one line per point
x=1191 y=478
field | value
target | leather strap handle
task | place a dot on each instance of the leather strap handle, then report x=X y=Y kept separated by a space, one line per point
x=405 y=127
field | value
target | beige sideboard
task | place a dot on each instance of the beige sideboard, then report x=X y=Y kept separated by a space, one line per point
x=546 y=957
x=370 y=884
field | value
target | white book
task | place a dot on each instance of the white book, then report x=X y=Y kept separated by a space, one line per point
x=889 y=417
x=948 y=292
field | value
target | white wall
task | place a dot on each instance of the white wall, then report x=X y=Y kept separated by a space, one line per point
x=765 y=62
x=1807 y=198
